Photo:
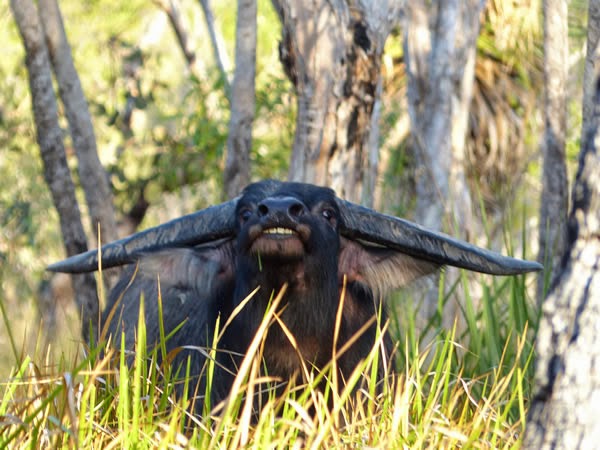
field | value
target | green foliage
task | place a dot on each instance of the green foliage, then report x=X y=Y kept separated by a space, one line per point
x=160 y=132
x=492 y=334
x=115 y=398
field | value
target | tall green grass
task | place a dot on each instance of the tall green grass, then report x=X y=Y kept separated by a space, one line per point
x=467 y=386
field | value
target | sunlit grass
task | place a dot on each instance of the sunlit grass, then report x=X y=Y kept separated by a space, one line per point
x=464 y=388
x=425 y=405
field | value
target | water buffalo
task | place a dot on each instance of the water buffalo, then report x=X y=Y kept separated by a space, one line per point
x=275 y=234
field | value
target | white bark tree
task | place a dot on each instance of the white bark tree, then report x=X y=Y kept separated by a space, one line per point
x=218 y=45
x=440 y=59
x=554 y=203
x=331 y=51
x=565 y=408
x=92 y=176
x=49 y=137
x=440 y=51
x=239 y=140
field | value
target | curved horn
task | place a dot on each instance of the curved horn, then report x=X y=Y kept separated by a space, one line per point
x=209 y=224
x=407 y=237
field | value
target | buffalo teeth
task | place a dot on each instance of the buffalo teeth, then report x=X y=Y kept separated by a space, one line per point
x=278 y=230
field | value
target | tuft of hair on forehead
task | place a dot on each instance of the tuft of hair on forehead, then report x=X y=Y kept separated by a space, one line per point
x=270 y=188
x=262 y=188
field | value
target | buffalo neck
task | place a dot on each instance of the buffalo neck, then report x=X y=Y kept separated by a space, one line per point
x=309 y=303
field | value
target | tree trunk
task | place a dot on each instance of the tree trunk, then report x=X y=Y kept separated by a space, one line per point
x=239 y=141
x=440 y=51
x=172 y=10
x=331 y=51
x=590 y=73
x=428 y=58
x=440 y=61
x=565 y=409
x=464 y=77
x=554 y=203
x=92 y=175
x=218 y=45
x=49 y=137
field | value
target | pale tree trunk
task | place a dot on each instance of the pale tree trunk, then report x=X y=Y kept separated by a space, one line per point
x=218 y=45
x=394 y=138
x=440 y=60
x=440 y=50
x=464 y=78
x=591 y=61
x=428 y=55
x=565 y=408
x=331 y=51
x=49 y=137
x=239 y=140
x=372 y=170
x=92 y=175
x=554 y=202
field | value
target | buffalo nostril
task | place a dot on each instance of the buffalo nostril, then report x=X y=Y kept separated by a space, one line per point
x=281 y=207
x=296 y=209
x=263 y=210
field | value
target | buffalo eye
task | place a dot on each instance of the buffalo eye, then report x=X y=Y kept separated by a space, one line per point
x=329 y=214
x=245 y=215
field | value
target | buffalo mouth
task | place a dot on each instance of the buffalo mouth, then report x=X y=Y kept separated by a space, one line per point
x=287 y=242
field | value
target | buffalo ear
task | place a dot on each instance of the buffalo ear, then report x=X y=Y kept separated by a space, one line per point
x=380 y=268
x=199 y=269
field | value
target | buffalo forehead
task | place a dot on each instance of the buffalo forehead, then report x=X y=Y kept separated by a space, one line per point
x=308 y=193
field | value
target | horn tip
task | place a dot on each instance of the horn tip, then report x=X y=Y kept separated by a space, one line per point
x=64 y=266
x=514 y=266
x=533 y=266
x=83 y=262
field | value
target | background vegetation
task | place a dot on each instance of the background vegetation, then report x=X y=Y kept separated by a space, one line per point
x=169 y=150
x=161 y=134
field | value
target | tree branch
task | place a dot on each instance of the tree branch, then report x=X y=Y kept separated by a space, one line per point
x=49 y=137
x=218 y=45
x=239 y=141
x=92 y=175
x=171 y=9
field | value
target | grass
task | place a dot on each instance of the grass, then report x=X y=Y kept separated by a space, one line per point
x=467 y=387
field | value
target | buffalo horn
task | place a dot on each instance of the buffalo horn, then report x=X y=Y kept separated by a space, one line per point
x=409 y=238
x=215 y=222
